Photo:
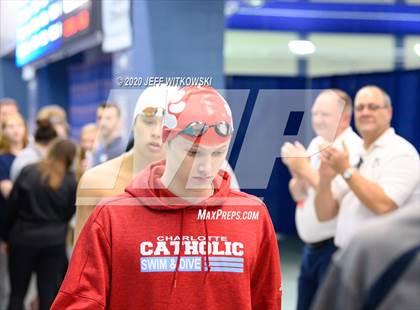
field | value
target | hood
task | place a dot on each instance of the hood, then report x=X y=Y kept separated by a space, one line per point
x=148 y=189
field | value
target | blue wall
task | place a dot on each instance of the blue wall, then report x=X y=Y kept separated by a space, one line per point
x=176 y=38
x=11 y=84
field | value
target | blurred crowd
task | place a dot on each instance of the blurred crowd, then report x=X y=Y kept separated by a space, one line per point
x=38 y=184
x=358 y=206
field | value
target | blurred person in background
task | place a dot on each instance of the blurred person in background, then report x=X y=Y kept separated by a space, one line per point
x=13 y=138
x=111 y=143
x=87 y=140
x=8 y=106
x=331 y=116
x=40 y=205
x=380 y=269
x=45 y=133
x=57 y=117
x=111 y=178
x=88 y=137
x=386 y=177
x=83 y=161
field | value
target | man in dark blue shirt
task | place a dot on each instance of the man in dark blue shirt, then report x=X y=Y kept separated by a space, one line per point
x=108 y=119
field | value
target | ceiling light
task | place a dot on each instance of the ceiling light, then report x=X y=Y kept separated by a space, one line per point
x=301 y=47
x=231 y=7
x=256 y=2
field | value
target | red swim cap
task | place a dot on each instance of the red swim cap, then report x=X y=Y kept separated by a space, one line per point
x=200 y=114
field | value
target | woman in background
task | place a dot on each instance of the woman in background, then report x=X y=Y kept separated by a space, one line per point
x=40 y=205
x=14 y=138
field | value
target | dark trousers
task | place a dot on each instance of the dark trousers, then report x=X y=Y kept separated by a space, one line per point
x=315 y=261
x=47 y=262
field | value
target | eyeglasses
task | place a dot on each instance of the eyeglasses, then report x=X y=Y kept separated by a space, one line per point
x=149 y=113
x=197 y=129
x=369 y=106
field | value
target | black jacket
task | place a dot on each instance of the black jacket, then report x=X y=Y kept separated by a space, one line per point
x=38 y=215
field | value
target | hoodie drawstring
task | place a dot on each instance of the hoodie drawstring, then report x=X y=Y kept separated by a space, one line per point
x=207 y=249
x=178 y=261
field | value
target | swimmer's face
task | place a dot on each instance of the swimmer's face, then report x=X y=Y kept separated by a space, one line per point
x=195 y=166
x=148 y=136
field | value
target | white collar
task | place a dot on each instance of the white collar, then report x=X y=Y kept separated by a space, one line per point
x=382 y=140
x=341 y=137
x=385 y=137
x=348 y=131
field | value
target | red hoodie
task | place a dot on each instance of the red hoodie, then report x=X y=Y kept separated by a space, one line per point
x=148 y=249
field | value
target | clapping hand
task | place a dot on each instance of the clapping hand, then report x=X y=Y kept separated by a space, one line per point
x=295 y=157
x=336 y=159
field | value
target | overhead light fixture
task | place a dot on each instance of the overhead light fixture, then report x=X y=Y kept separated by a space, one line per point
x=231 y=7
x=256 y=3
x=417 y=49
x=301 y=47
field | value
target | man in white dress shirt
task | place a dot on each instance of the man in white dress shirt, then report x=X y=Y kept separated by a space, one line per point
x=387 y=177
x=331 y=115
